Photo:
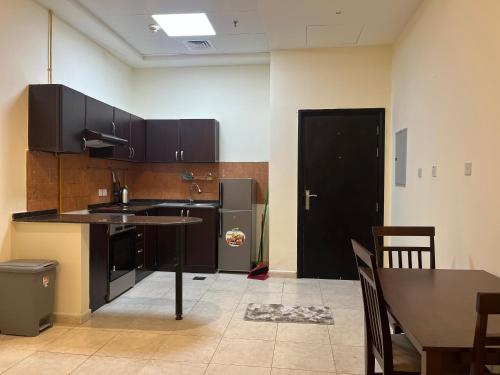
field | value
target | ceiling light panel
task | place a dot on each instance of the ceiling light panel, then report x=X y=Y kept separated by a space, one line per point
x=186 y=24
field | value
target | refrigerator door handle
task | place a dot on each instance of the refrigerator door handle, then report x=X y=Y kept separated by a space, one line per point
x=220 y=224
x=221 y=194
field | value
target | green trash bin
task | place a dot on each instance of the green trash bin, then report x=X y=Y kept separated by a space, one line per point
x=26 y=296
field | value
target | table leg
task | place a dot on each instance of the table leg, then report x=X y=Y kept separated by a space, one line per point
x=180 y=249
x=432 y=363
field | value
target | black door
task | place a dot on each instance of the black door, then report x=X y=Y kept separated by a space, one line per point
x=341 y=182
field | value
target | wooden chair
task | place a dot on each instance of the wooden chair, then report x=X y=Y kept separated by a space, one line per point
x=487 y=304
x=394 y=353
x=380 y=232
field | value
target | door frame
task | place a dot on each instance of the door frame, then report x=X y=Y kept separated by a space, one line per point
x=300 y=185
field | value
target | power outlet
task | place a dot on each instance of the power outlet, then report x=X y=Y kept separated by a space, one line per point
x=468 y=168
x=419 y=172
x=434 y=171
x=104 y=192
x=99 y=192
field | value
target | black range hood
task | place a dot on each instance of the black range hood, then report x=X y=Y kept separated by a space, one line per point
x=94 y=139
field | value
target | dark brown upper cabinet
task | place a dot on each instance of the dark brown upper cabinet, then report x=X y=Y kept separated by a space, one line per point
x=120 y=127
x=162 y=141
x=138 y=138
x=190 y=141
x=99 y=116
x=56 y=119
x=199 y=141
x=121 y=121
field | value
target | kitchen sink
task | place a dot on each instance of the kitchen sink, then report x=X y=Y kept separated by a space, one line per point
x=184 y=204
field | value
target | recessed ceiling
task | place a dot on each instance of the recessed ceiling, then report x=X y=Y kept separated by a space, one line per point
x=243 y=27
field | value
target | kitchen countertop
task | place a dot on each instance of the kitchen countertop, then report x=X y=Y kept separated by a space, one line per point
x=144 y=205
x=109 y=214
x=51 y=216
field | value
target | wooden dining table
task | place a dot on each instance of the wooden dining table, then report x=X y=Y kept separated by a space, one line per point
x=436 y=309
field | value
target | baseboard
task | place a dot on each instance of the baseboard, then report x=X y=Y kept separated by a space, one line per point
x=282 y=273
x=72 y=318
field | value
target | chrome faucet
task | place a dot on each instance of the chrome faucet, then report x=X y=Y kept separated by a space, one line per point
x=198 y=189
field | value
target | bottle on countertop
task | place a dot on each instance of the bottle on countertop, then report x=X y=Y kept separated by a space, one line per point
x=124 y=195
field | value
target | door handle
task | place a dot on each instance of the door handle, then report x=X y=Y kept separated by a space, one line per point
x=176 y=155
x=220 y=224
x=182 y=154
x=187 y=213
x=130 y=152
x=114 y=127
x=308 y=198
x=182 y=212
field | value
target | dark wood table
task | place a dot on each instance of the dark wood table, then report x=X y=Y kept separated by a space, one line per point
x=437 y=311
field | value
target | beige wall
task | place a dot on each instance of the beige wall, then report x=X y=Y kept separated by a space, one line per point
x=84 y=66
x=23 y=37
x=446 y=80
x=237 y=96
x=315 y=79
x=68 y=243
x=78 y=63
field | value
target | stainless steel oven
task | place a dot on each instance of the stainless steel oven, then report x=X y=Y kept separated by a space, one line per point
x=121 y=259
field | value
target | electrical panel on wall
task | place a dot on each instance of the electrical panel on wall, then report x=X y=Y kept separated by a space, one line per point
x=400 y=160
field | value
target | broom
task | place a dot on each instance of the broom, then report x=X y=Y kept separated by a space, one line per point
x=260 y=271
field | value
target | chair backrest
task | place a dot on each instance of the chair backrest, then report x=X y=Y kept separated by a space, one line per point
x=487 y=304
x=378 y=334
x=380 y=232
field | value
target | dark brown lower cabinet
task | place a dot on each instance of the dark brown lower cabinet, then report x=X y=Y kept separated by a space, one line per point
x=98 y=265
x=201 y=241
x=146 y=248
x=166 y=240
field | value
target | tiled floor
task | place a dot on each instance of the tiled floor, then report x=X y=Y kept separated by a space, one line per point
x=137 y=333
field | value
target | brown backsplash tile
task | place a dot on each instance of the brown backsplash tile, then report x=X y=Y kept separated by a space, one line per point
x=82 y=176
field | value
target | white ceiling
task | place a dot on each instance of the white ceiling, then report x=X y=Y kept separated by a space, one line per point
x=263 y=26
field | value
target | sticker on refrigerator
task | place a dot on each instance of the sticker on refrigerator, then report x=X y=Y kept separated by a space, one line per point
x=45 y=281
x=235 y=237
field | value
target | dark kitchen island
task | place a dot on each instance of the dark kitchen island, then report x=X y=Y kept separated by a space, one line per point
x=179 y=222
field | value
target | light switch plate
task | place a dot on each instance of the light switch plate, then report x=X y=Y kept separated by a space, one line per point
x=468 y=168
x=434 y=171
x=419 y=172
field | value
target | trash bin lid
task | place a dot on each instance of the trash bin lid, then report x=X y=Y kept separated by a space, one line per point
x=27 y=265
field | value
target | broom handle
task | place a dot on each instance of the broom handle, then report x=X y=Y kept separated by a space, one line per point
x=262 y=226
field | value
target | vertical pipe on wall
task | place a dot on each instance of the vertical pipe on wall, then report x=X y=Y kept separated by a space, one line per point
x=49 y=69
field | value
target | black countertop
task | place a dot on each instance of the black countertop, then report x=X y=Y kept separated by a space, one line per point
x=138 y=206
x=109 y=219
x=110 y=214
